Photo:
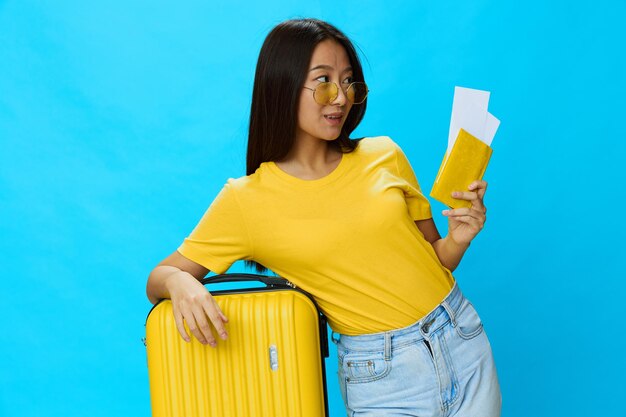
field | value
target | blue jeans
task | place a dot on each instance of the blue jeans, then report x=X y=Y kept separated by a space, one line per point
x=441 y=365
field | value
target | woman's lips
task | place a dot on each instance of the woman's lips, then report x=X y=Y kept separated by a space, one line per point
x=333 y=121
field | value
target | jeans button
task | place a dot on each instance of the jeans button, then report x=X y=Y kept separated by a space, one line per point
x=426 y=326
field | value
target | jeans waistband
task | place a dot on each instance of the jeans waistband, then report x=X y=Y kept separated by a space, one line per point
x=444 y=312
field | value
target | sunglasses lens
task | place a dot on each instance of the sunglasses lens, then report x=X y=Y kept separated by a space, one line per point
x=325 y=93
x=357 y=92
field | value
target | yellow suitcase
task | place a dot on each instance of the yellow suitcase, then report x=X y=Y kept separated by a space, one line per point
x=272 y=363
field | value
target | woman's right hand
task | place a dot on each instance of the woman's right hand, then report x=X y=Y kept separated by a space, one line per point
x=192 y=303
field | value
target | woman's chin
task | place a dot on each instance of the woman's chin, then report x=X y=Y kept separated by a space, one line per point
x=332 y=133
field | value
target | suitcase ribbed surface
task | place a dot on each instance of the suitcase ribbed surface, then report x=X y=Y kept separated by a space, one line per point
x=266 y=329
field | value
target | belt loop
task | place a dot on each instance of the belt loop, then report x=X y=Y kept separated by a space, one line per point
x=448 y=309
x=387 y=346
x=332 y=337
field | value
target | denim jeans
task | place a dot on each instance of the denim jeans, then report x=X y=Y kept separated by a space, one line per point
x=441 y=365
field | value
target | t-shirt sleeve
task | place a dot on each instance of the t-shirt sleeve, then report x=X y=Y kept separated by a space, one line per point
x=417 y=203
x=220 y=238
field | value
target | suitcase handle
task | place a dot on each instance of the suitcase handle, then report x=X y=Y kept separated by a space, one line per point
x=241 y=277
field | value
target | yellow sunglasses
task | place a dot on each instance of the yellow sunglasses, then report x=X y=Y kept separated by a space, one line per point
x=325 y=93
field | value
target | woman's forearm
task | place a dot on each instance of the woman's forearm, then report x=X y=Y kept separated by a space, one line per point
x=449 y=252
x=156 y=287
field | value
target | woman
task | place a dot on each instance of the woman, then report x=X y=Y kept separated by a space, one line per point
x=346 y=221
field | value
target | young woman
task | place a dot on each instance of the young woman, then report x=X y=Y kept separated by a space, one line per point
x=346 y=221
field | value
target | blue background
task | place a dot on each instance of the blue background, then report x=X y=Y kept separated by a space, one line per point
x=120 y=121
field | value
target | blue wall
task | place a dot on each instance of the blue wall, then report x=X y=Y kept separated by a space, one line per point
x=120 y=121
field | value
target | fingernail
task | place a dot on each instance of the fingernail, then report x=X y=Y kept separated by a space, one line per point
x=224 y=335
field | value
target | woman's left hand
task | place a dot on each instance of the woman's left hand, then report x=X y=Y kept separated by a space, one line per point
x=465 y=223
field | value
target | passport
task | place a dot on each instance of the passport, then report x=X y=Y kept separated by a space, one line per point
x=464 y=163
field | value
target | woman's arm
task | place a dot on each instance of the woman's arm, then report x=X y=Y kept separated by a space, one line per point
x=166 y=270
x=179 y=279
x=463 y=226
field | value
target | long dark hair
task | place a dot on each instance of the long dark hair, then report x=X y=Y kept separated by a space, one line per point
x=281 y=71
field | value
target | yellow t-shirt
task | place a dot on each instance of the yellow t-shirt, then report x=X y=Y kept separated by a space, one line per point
x=349 y=238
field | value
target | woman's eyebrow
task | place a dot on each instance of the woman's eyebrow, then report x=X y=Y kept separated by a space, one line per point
x=329 y=67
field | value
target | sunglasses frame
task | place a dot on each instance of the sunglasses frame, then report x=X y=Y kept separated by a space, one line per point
x=337 y=91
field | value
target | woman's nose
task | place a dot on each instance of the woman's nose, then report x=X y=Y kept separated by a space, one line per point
x=341 y=98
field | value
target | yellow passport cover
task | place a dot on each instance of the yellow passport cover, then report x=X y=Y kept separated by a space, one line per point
x=466 y=162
